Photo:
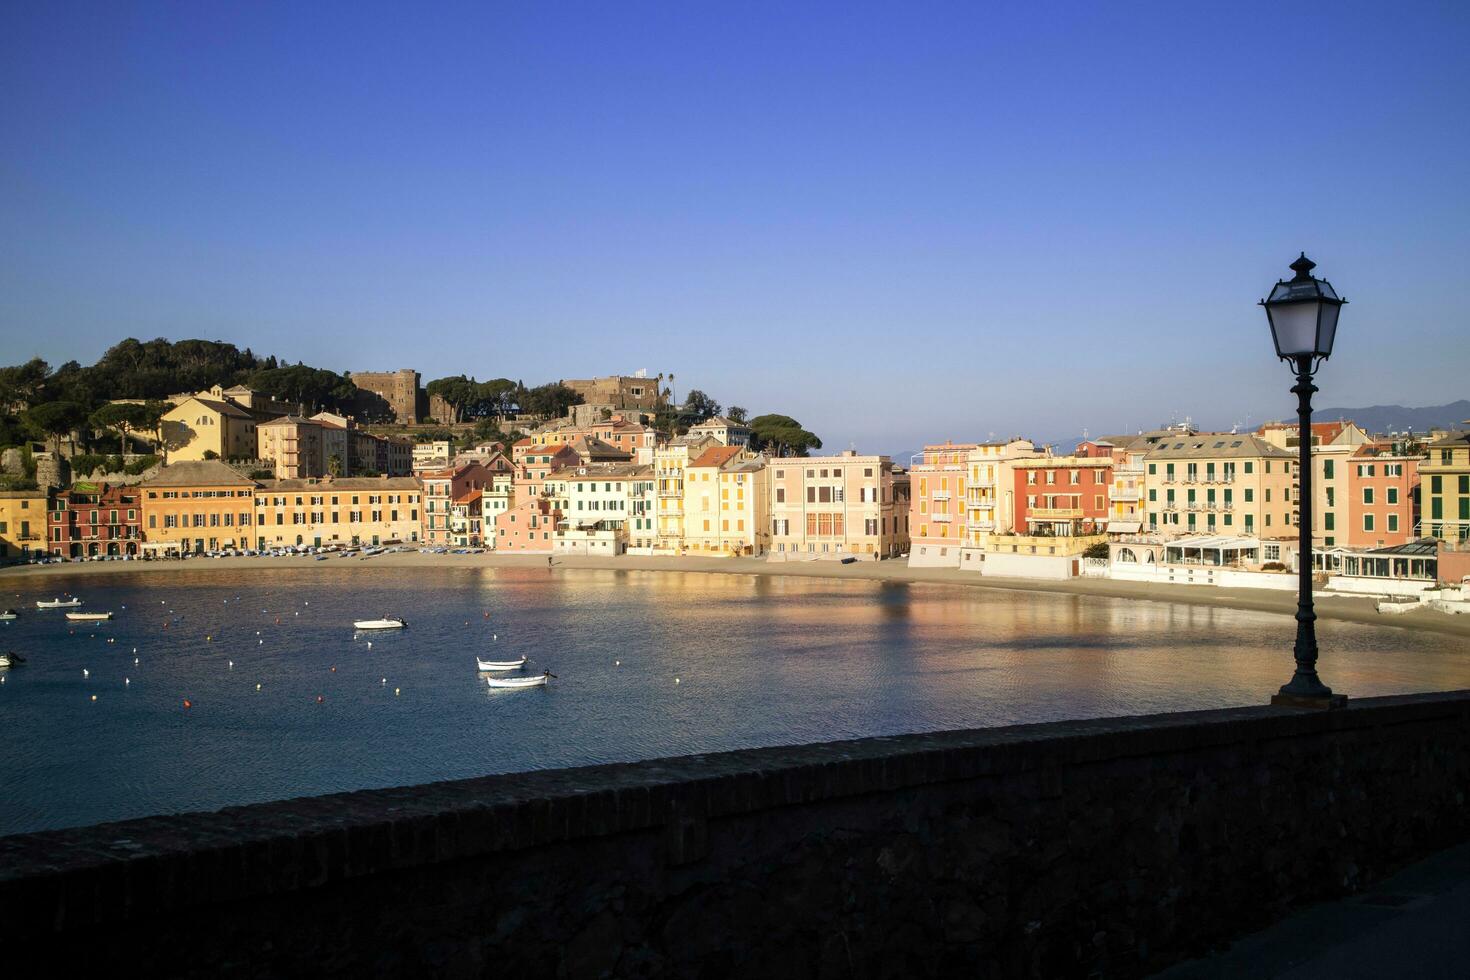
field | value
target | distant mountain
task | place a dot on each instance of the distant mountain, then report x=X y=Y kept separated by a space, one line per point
x=1397 y=418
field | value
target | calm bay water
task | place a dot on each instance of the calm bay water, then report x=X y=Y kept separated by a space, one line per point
x=760 y=661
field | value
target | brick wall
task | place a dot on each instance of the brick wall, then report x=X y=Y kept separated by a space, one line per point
x=1109 y=847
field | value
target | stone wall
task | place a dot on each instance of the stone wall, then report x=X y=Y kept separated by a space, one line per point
x=1097 y=848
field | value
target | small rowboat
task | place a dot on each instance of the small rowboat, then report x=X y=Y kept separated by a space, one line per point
x=538 y=681
x=380 y=624
x=500 y=664
x=8 y=615
x=11 y=660
x=57 y=603
x=88 y=617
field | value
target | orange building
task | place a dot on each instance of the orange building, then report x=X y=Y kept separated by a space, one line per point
x=198 y=505
x=1382 y=497
x=530 y=526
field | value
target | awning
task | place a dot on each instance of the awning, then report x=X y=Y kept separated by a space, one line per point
x=1216 y=543
x=1124 y=527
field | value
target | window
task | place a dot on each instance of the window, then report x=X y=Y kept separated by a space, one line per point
x=1393 y=495
x=1393 y=522
x=1367 y=522
x=1327 y=471
x=1367 y=497
x=1250 y=466
x=1329 y=521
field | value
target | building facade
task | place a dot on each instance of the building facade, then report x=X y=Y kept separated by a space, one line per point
x=527 y=528
x=297 y=447
x=1445 y=488
x=726 y=490
x=397 y=394
x=1219 y=483
x=1061 y=496
x=937 y=504
x=22 y=523
x=95 y=519
x=833 y=507
x=1381 y=503
x=198 y=506
x=349 y=511
x=204 y=428
x=440 y=489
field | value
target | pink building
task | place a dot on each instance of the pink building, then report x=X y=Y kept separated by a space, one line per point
x=441 y=489
x=937 y=506
x=528 y=527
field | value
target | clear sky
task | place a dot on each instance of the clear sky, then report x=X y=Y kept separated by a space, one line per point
x=897 y=222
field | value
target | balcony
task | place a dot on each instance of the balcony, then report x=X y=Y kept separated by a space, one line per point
x=980 y=525
x=1126 y=493
x=1054 y=513
x=942 y=518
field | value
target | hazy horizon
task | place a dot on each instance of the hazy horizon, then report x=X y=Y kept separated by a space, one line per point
x=898 y=225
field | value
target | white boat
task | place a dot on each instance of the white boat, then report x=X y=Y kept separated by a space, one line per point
x=9 y=614
x=57 y=603
x=538 y=681
x=11 y=660
x=1397 y=607
x=88 y=617
x=500 y=664
x=380 y=624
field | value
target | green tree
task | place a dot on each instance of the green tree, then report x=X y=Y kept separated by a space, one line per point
x=55 y=419
x=550 y=400
x=699 y=406
x=781 y=435
x=123 y=418
x=21 y=385
x=736 y=414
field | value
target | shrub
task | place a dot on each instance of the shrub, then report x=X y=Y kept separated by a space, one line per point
x=1273 y=566
x=85 y=464
x=262 y=474
x=1098 y=549
x=140 y=465
x=210 y=454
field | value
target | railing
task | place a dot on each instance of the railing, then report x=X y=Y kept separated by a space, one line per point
x=1054 y=513
x=1131 y=493
x=941 y=517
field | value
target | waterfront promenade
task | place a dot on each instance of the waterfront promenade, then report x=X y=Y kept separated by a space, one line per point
x=1329 y=606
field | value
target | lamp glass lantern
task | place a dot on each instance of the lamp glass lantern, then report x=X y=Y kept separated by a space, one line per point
x=1303 y=314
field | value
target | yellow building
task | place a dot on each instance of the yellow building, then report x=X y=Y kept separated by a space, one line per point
x=196 y=426
x=988 y=508
x=1444 y=488
x=669 y=465
x=348 y=511
x=1220 y=483
x=725 y=503
x=22 y=523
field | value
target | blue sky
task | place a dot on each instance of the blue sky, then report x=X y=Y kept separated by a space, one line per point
x=896 y=222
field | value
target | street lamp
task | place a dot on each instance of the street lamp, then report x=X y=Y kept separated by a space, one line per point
x=1303 y=314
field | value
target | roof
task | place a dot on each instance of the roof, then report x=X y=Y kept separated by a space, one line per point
x=198 y=473
x=1216 y=445
x=1223 y=542
x=717 y=456
x=1423 y=547
x=1451 y=440
x=344 y=483
x=720 y=420
x=224 y=408
x=291 y=420
x=468 y=498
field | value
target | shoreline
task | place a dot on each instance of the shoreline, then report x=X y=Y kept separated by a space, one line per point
x=1329 y=606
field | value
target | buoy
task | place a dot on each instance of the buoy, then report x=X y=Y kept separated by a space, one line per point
x=384 y=682
x=232 y=665
x=135 y=660
x=94 y=697
x=126 y=681
x=257 y=687
x=207 y=639
x=86 y=673
x=188 y=703
x=676 y=680
x=320 y=699
x=260 y=643
x=370 y=644
x=617 y=663
x=135 y=649
x=334 y=669
x=396 y=691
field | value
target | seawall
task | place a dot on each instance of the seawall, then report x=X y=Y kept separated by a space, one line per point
x=1106 y=848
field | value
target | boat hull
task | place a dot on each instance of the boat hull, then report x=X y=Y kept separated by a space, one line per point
x=378 y=624
x=515 y=683
x=500 y=664
x=88 y=617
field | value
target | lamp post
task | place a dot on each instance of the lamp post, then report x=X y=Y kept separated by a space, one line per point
x=1303 y=315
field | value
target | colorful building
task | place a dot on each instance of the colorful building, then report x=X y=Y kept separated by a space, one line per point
x=200 y=428
x=197 y=506
x=1221 y=483
x=832 y=507
x=355 y=510
x=725 y=503
x=1444 y=488
x=528 y=527
x=1061 y=496
x=670 y=463
x=297 y=446
x=22 y=523
x=95 y=519
x=938 y=504
x=440 y=489
x=726 y=432
x=1381 y=499
x=990 y=504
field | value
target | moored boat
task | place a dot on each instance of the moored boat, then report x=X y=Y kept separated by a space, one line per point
x=513 y=682
x=57 y=603
x=11 y=660
x=500 y=664
x=8 y=614
x=88 y=617
x=380 y=624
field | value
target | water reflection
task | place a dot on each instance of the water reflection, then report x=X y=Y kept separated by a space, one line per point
x=759 y=661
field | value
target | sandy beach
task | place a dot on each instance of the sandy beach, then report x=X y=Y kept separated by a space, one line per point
x=1328 y=606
